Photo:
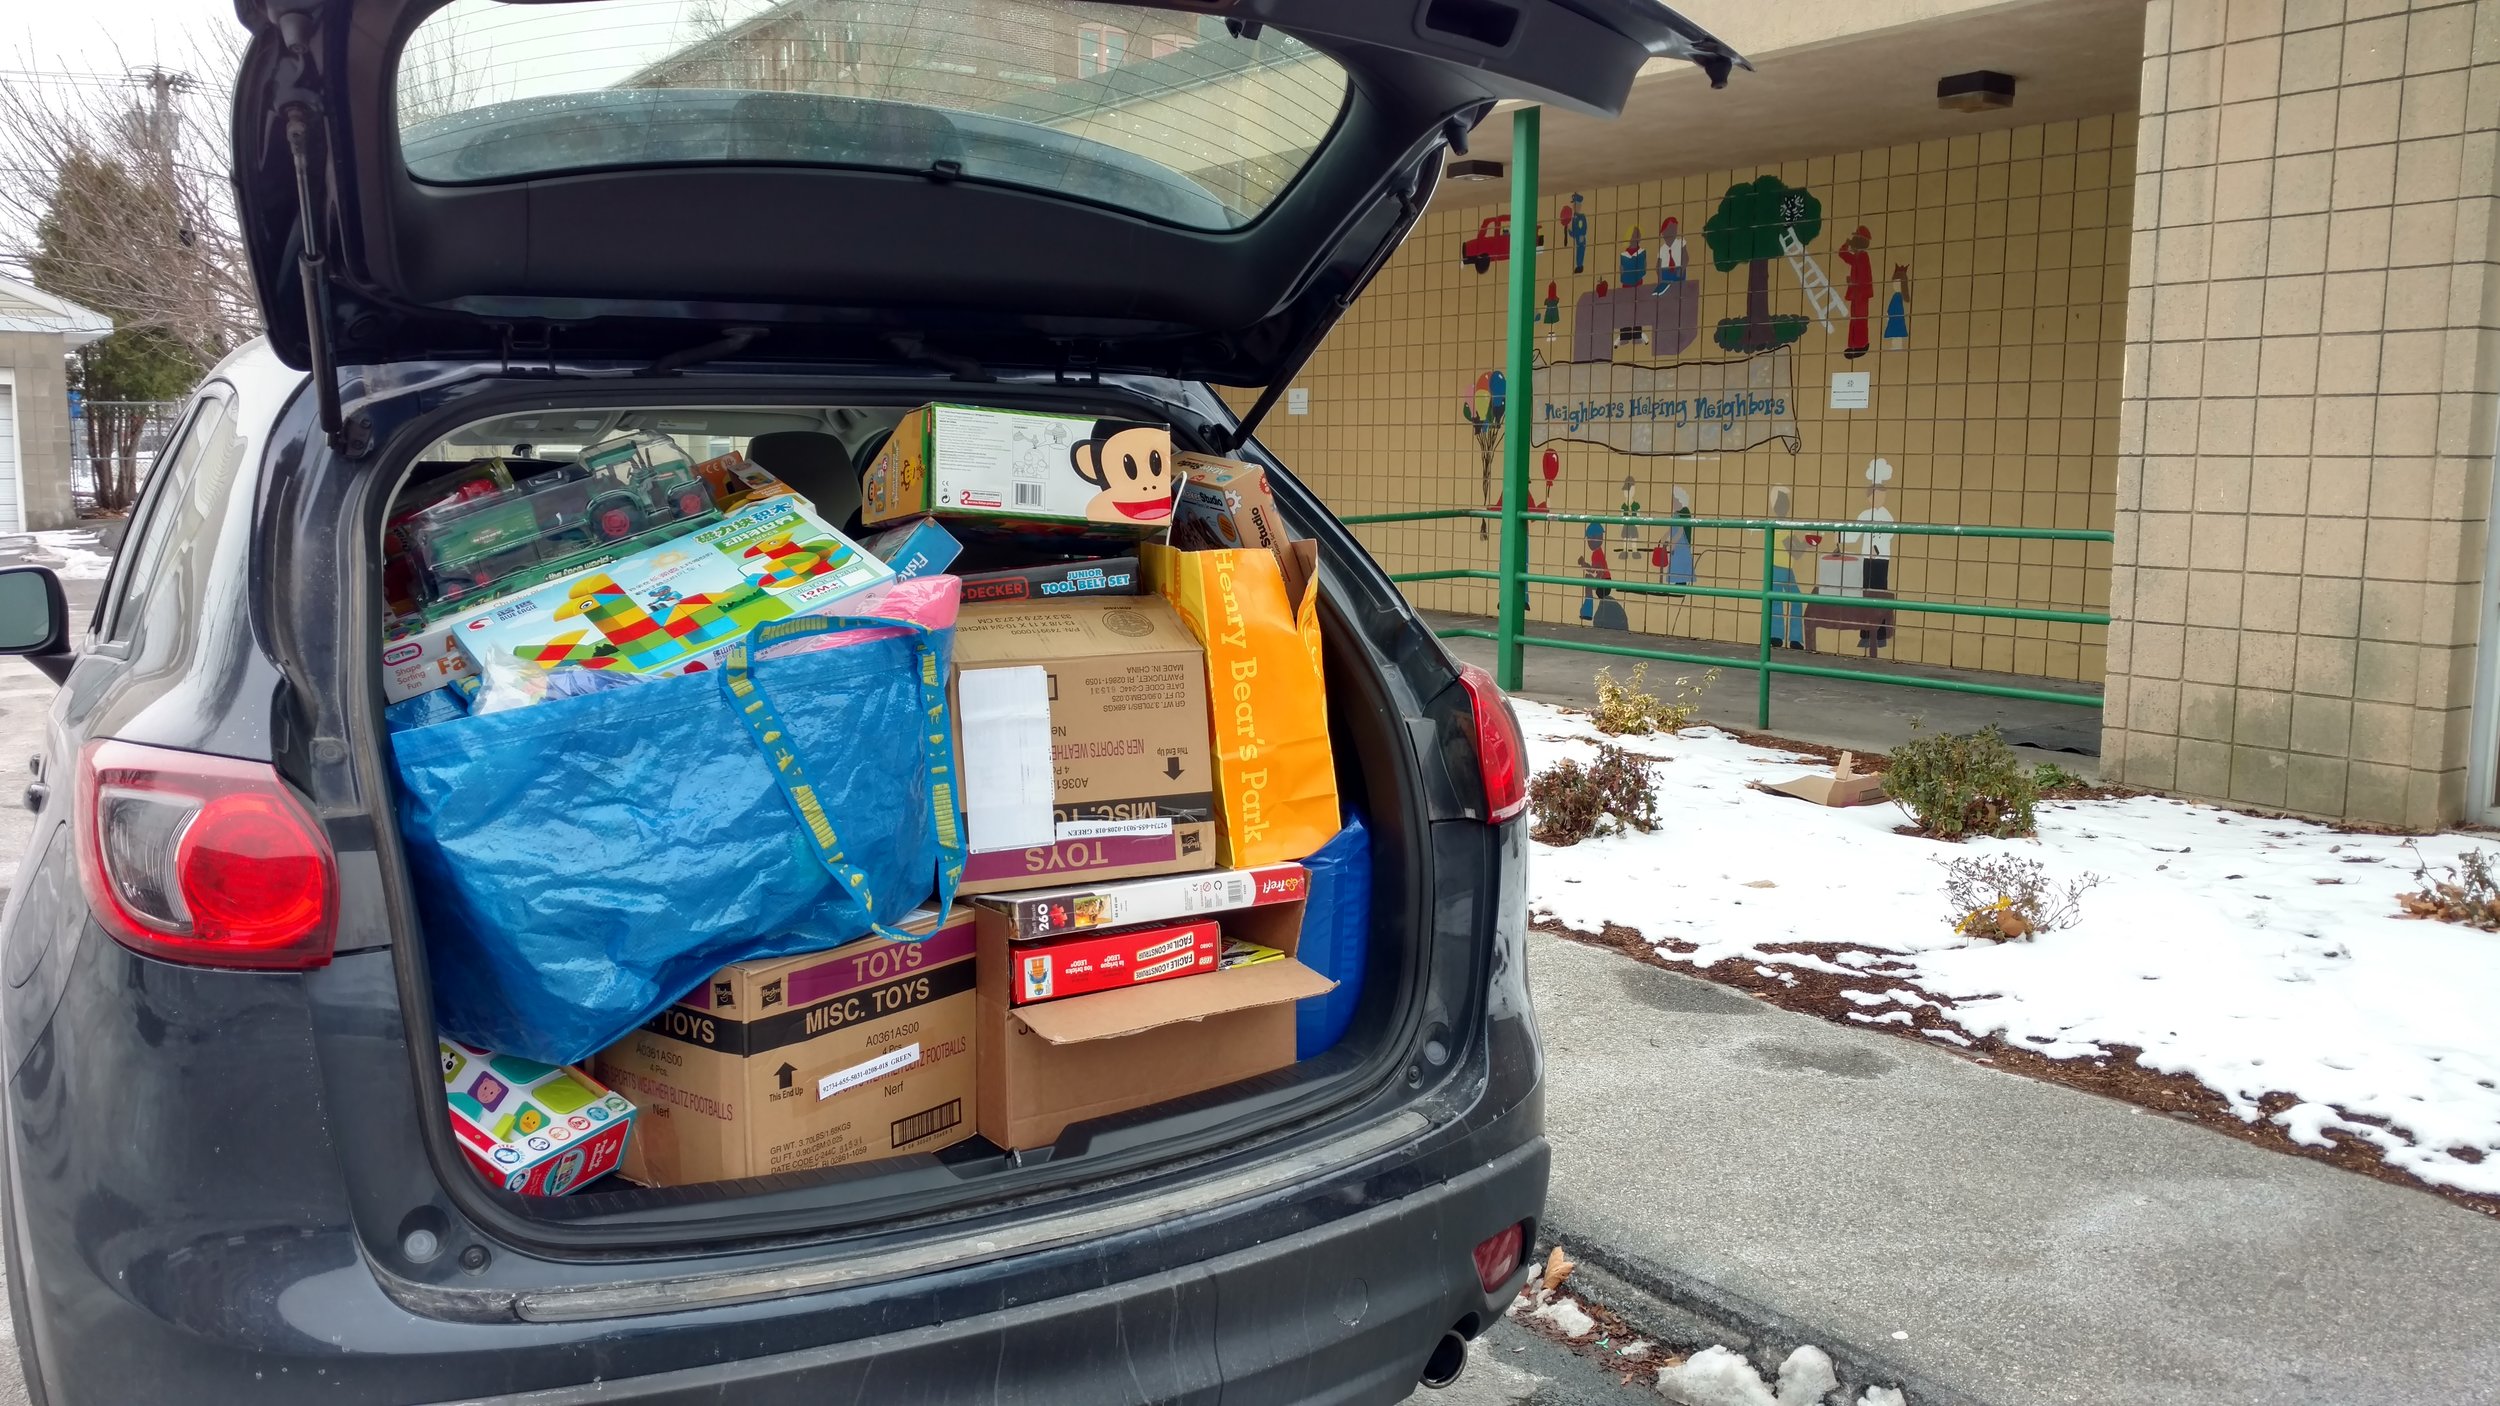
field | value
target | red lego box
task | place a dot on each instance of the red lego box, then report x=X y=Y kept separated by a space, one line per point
x=1102 y=961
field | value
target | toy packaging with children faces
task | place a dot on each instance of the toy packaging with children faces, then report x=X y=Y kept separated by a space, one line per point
x=537 y=1129
x=676 y=607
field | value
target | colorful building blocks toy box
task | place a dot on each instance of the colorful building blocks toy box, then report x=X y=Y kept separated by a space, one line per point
x=1083 y=743
x=538 y=1129
x=1011 y=467
x=817 y=1060
x=674 y=607
x=1047 y=1064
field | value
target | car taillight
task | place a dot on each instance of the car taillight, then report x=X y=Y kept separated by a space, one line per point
x=207 y=860
x=1500 y=752
x=1498 y=1256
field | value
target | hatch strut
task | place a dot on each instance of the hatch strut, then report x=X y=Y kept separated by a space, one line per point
x=312 y=260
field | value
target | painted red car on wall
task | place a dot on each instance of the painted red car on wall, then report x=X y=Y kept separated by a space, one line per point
x=1491 y=244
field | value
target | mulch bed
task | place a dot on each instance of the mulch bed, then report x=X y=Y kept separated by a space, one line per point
x=2115 y=1075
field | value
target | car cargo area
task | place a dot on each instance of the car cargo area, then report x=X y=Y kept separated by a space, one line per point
x=876 y=806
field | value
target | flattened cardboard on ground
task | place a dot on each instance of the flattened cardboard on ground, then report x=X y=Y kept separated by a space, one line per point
x=816 y=1060
x=1843 y=785
x=1132 y=777
x=1046 y=1066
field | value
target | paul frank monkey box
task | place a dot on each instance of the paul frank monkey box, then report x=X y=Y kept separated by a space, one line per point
x=1018 y=470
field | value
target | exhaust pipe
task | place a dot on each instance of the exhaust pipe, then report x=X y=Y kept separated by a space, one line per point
x=1448 y=1359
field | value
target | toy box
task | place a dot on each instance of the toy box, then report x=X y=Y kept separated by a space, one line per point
x=734 y=483
x=1103 y=961
x=816 y=1060
x=674 y=607
x=1051 y=912
x=619 y=496
x=1011 y=466
x=538 y=1129
x=1224 y=503
x=429 y=485
x=917 y=548
x=1106 y=576
x=420 y=661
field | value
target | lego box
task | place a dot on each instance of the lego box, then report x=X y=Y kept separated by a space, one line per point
x=674 y=607
x=1105 y=961
x=1010 y=466
x=817 y=1060
x=538 y=1129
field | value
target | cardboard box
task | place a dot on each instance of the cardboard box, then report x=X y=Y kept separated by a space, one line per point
x=733 y=482
x=1082 y=737
x=1103 y=576
x=1052 y=912
x=1008 y=466
x=420 y=661
x=538 y=1129
x=1843 y=785
x=919 y=547
x=676 y=606
x=1048 y=1065
x=1079 y=963
x=1224 y=503
x=816 y=1060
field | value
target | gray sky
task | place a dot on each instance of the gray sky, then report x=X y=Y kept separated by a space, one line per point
x=104 y=36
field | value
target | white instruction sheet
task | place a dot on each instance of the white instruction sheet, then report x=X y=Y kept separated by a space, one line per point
x=1007 y=777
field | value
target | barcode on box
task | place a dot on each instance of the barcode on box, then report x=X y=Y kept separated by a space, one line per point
x=1028 y=495
x=928 y=1122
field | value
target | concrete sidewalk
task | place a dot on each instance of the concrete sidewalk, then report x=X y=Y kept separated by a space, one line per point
x=1869 y=716
x=2009 y=1241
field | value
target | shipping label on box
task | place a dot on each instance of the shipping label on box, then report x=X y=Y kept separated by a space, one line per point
x=817 y=1060
x=1077 y=909
x=538 y=1129
x=1096 y=709
x=917 y=548
x=958 y=461
x=677 y=606
x=1081 y=962
x=1224 y=503
x=420 y=662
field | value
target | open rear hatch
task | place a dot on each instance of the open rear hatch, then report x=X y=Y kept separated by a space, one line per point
x=1039 y=196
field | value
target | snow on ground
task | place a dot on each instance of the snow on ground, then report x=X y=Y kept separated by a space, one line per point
x=73 y=553
x=2254 y=955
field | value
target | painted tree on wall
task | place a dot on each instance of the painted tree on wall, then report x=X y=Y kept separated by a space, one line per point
x=1749 y=228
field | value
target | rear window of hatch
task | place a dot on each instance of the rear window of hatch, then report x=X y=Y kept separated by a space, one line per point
x=1166 y=114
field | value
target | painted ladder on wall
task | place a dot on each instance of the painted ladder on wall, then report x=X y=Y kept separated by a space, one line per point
x=1820 y=295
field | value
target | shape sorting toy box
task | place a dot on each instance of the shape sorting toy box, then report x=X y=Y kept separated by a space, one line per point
x=676 y=607
x=538 y=1129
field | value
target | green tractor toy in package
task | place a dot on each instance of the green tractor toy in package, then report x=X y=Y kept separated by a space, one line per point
x=619 y=496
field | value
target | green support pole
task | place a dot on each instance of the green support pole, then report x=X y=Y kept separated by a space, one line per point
x=1518 y=417
x=1762 y=679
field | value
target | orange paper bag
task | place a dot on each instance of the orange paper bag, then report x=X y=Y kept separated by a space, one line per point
x=1257 y=613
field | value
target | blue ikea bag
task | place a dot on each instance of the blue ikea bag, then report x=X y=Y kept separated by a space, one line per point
x=583 y=863
x=1336 y=936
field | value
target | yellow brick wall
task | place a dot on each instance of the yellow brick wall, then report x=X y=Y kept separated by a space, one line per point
x=2002 y=409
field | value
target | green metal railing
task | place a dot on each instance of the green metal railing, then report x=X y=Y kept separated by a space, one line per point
x=1512 y=639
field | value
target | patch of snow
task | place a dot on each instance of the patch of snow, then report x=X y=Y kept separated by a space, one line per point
x=1948 y=1035
x=2210 y=945
x=1887 y=1018
x=1715 y=1376
x=1877 y=998
x=1568 y=1318
x=73 y=554
x=1882 y=1396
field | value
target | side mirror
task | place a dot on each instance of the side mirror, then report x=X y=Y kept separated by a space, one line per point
x=34 y=618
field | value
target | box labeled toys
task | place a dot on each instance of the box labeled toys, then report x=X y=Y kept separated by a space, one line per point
x=1224 y=503
x=919 y=547
x=1048 y=1064
x=1012 y=466
x=1082 y=738
x=1077 y=963
x=817 y=1060
x=1103 y=576
x=538 y=1129
x=675 y=606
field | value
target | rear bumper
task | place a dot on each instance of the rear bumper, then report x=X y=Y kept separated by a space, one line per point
x=1345 y=1313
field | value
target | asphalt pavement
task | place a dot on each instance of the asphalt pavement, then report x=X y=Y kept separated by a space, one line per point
x=2015 y=1242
